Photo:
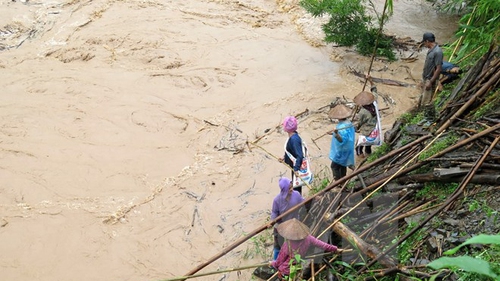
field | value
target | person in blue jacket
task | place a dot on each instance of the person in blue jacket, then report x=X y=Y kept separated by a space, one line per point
x=342 y=145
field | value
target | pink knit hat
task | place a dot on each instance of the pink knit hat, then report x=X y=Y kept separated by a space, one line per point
x=290 y=124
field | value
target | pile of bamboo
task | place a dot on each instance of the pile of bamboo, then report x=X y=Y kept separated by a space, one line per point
x=380 y=195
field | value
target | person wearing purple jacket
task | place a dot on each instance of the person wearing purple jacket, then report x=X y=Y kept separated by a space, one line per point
x=284 y=201
x=298 y=242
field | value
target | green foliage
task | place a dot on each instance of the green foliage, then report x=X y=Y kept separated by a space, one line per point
x=479 y=239
x=259 y=246
x=295 y=267
x=474 y=265
x=479 y=27
x=409 y=118
x=438 y=146
x=379 y=152
x=406 y=247
x=350 y=25
x=348 y=19
x=491 y=104
x=348 y=272
x=321 y=179
x=436 y=189
x=368 y=40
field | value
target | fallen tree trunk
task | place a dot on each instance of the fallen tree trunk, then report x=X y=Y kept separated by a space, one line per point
x=369 y=250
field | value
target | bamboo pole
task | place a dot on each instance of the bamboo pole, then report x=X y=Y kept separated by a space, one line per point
x=450 y=200
x=279 y=160
x=463 y=34
x=306 y=201
x=213 y=272
x=378 y=188
x=464 y=107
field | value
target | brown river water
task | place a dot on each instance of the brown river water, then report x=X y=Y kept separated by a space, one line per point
x=120 y=123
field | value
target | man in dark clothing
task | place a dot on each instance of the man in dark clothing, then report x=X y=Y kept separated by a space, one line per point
x=432 y=67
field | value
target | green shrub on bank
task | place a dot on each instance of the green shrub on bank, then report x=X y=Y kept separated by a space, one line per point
x=350 y=25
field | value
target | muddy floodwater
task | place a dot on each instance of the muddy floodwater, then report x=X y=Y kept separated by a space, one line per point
x=123 y=127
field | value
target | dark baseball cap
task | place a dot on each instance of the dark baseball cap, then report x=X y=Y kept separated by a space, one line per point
x=428 y=37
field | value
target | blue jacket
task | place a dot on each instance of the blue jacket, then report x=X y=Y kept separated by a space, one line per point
x=342 y=153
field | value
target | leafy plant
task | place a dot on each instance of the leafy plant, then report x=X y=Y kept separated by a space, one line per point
x=350 y=25
x=259 y=246
x=467 y=263
x=380 y=151
x=438 y=146
x=479 y=28
x=295 y=267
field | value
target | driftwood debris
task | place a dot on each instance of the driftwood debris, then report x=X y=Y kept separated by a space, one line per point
x=383 y=80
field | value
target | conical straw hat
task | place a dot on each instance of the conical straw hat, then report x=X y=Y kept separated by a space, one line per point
x=364 y=98
x=340 y=111
x=293 y=229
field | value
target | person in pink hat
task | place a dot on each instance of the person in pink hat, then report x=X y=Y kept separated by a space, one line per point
x=293 y=146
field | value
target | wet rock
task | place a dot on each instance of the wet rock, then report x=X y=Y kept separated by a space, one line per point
x=452 y=222
x=419 y=261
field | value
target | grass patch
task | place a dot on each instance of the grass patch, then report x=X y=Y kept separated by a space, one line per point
x=436 y=190
x=439 y=146
x=379 y=152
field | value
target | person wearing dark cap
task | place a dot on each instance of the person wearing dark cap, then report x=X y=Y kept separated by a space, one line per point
x=432 y=67
x=342 y=145
x=298 y=241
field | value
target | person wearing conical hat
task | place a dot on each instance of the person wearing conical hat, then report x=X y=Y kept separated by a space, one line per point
x=367 y=117
x=342 y=145
x=284 y=201
x=298 y=241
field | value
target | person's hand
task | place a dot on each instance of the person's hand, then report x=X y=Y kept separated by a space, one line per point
x=427 y=85
x=339 y=250
x=270 y=263
x=336 y=131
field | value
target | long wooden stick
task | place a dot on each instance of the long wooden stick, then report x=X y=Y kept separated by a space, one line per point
x=471 y=100
x=214 y=272
x=320 y=193
x=279 y=160
x=451 y=199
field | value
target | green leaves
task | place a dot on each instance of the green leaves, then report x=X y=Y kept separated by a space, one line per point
x=479 y=28
x=464 y=263
x=480 y=239
x=350 y=25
